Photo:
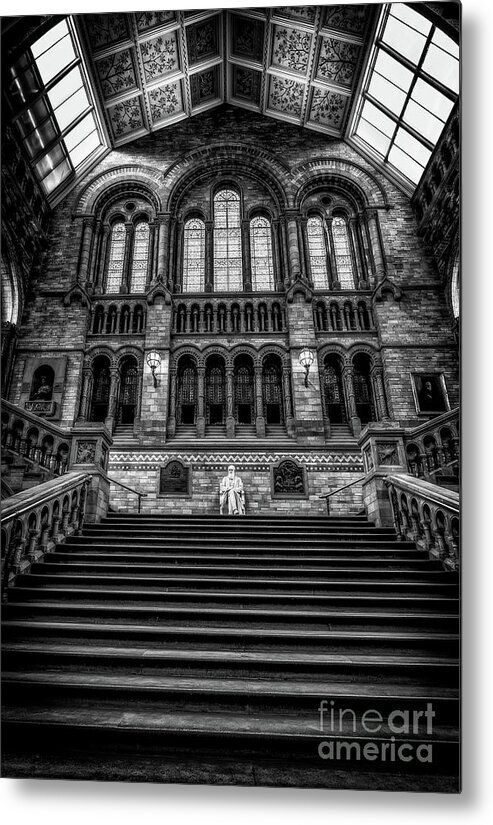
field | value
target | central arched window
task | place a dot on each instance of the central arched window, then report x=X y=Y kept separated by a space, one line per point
x=116 y=261
x=140 y=258
x=228 y=275
x=317 y=251
x=194 y=255
x=261 y=254
x=342 y=253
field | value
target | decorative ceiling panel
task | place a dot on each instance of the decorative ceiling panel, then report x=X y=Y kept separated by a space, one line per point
x=297 y=63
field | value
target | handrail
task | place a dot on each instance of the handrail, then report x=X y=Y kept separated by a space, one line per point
x=326 y=496
x=432 y=423
x=20 y=503
x=36 y=420
x=131 y=490
x=419 y=487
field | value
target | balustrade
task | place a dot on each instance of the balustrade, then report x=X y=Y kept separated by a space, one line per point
x=426 y=514
x=255 y=316
x=343 y=316
x=35 y=439
x=117 y=318
x=432 y=449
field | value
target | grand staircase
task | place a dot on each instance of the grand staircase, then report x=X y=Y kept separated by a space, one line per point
x=199 y=649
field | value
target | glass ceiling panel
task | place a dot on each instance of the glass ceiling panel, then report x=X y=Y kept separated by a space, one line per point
x=50 y=38
x=71 y=109
x=53 y=61
x=417 y=102
x=65 y=87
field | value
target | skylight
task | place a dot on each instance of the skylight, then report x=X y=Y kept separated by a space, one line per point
x=411 y=86
x=53 y=105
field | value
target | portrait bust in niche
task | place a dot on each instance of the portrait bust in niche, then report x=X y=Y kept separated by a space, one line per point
x=42 y=384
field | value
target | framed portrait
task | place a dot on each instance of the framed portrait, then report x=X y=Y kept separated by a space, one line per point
x=430 y=393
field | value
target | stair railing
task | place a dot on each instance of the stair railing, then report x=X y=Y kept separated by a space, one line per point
x=131 y=490
x=34 y=520
x=326 y=496
x=426 y=514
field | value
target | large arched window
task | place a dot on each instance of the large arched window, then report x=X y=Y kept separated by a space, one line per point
x=317 y=252
x=140 y=257
x=227 y=242
x=116 y=261
x=342 y=253
x=194 y=255
x=261 y=254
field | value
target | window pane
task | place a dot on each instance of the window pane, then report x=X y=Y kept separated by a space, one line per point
x=342 y=252
x=55 y=59
x=50 y=38
x=41 y=137
x=50 y=161
x=443 y=67
x=72 y=108
x=411 y=17
x=422 y=121
x=261 y=254
x=227 y=242
x=117 y=257
x=56 y=177
x=317 y=252
x=404 y=40
x=434 y=101
x=79 y=132
x=32 y=117
x=413 y=147
x=393 y=70
x=24 y=87
x=386 y=93
x=377 y=118
x=84 y=148
x=445 y=42
x=194 y=256
x=405 y=165
x=373 y=137
x=140 y=258
x=65 y=87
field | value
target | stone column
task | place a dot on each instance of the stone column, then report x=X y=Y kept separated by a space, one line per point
x=85 y=394
x=114 y=385
x=259 y=404
x=347 y=376
x=96 y=246
x=246 y=256
x=332 y=263
x=85 y=249
x=163 y=245
x=276 y=256
x=200 y=424
x=379 y=393
x=230 y=421
x=376 y=244
x=305 y=257
x=355 y=252
x=125 y=285
x=150 y=261
x=288 y=400
x=293 y=245
x=101 y=261
x=172 y=402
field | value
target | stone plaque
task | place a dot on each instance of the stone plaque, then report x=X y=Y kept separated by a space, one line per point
x=174 y=479
x=289 y=480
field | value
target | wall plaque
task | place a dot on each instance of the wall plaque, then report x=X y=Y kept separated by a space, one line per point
x=174 y=479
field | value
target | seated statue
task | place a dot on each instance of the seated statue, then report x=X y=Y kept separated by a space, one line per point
x=231 y=495
x=44 y=391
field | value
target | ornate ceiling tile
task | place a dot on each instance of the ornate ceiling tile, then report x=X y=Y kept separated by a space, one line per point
x=349 y=19
x=246 y=85
x=126 y=117
x=150 y=19
x=305 y=13
x=160 y=56
x=165 y=101
x=337 y=61
x=204 y=86
x=203 y=40
x=286 y=96
x=328 y=108
x=116 y=73
x=106 y=29
x=247 y=38
x=291 y=49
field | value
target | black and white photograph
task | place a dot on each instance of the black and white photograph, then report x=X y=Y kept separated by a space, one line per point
x=230 y=304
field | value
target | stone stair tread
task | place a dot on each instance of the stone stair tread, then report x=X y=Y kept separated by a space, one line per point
x=267 y=687
x=73 y=564
x=233 y=631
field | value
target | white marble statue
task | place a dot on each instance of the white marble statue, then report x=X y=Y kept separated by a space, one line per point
x=231 y=494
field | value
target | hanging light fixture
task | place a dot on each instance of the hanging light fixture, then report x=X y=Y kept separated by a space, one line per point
x=153 y=360
x=306 y=359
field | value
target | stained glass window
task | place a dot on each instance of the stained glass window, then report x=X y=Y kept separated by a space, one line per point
x=194 y=256
x=140 y=258
x=409 y=92
x=317 y=252
x=261 y=254
x=117 y=257
x=227 y=242
x=342 y=252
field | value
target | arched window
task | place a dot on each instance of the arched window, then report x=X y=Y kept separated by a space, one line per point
x=127 y=404
x=261 y=254
x=342 y=253
x=227 y=242
x=455 y=289
x=117 y=258
x=194 y=256
x=317 y=252
x=140 y=257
